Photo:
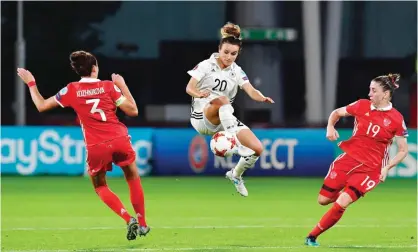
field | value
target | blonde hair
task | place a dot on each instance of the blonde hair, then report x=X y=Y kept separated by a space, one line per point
x=231 y=30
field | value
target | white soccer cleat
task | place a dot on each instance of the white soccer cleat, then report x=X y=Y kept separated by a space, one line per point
x=238 y=183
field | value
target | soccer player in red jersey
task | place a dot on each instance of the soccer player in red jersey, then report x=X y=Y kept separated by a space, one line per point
x=365 y=161
x=106 y=138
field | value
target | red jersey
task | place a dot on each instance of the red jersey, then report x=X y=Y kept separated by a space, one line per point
x=373 y=132
x=95 y=103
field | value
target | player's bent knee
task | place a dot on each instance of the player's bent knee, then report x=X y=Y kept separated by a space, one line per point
x=323 y=201
x=258 y=148
x=345 y=199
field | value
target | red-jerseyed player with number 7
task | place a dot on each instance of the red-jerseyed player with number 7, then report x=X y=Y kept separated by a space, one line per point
x=106 y=138
x=365 y=161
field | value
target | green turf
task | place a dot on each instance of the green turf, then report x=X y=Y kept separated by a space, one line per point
x=203 y=214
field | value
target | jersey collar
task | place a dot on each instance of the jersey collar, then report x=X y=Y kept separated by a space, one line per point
x=89 y=80
x=387 y=108
x=213 y=58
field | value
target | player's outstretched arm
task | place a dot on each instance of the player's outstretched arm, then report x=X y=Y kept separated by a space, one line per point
x=255 y=94
x=402 y=152
x=40 y=103
x=192 y=90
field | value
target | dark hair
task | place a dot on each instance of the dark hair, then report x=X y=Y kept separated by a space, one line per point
x=231 y=34
x=82 y=62
x=388 y=82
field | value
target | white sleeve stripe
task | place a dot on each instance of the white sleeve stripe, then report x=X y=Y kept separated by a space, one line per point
x=55 y=98
x=120 y=100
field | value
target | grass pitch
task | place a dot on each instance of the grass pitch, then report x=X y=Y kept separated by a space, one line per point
x=202 y=214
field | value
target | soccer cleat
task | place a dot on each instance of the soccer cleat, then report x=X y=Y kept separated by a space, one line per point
x=238 y=183
x=132 y=229
x=311 y=241
x=143 y=231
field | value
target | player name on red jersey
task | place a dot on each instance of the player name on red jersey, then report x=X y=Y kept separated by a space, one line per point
x=89 y=92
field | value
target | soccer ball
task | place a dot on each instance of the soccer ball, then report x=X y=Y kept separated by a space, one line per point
x=223 y=144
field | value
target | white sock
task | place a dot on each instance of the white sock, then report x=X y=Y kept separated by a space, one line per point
x=228 y=120
x=243 y=164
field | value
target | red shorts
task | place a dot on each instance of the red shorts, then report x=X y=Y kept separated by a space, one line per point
x=345 y=172
x=101 y=156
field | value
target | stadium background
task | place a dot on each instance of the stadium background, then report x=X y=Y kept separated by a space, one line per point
x=309 y=57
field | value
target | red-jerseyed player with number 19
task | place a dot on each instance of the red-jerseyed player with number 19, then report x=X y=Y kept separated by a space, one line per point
x=106 y=138
x=365 y=161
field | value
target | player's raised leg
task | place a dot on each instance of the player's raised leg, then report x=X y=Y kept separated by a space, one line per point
x=254 y=148
x=219 y=111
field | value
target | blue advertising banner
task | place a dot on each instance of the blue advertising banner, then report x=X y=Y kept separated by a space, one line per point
x=287 y=152
x=59 y=150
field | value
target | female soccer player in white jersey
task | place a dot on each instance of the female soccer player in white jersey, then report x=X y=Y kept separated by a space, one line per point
x=213 y=85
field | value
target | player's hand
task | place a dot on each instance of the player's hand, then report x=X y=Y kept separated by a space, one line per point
x=118 y=80
x=25 y=75
x=204 y=93
x=384 y=173
x=332 y=133
x=268 y=100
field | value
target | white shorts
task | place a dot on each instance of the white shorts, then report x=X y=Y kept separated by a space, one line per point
x=204 y=127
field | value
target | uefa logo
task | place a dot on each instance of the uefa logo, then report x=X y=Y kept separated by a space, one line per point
x=198 y=154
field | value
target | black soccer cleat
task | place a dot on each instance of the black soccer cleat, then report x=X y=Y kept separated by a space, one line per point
x=133 y=228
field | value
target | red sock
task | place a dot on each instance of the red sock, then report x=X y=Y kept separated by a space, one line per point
x=137 y=199
x=328 y=220
x=113 y=201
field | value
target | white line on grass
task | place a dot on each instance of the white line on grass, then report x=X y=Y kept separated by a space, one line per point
x=220 y=248
x=203 y=227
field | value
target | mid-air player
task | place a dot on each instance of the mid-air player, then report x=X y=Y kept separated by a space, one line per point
x=213 y=85
x=365 y=161
x=106 y=138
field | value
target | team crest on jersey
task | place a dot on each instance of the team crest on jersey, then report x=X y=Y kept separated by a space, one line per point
x=333 y=175
x=63 y=91
x=232 y=74
x=116 y=88
x=198 y=154
x=386 y=122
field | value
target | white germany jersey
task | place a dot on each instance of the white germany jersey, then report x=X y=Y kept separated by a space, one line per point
x=220 y=82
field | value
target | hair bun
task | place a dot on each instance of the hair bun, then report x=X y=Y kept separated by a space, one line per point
x=394 y=79
x=82 y=62
x=231 y=30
